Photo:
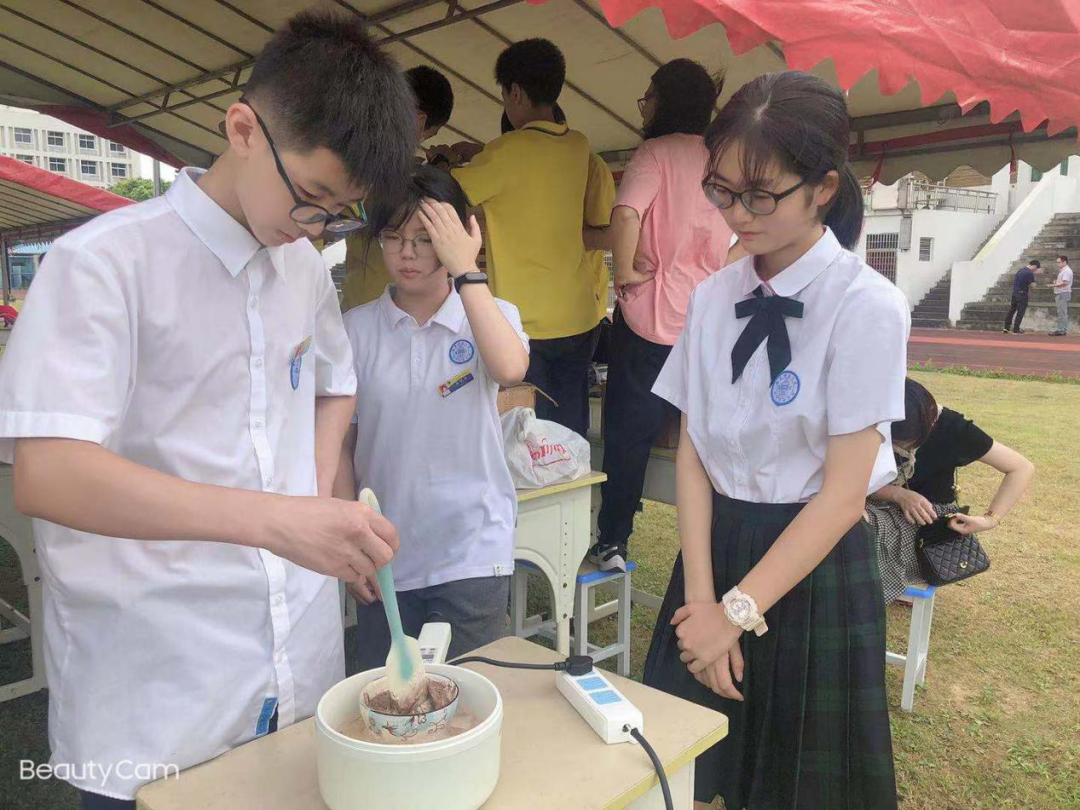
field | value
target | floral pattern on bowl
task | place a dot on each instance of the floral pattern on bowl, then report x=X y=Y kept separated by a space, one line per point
x=427 y=721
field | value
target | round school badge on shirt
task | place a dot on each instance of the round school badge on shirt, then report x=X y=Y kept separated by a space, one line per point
x=785 y=388
x=462 y=351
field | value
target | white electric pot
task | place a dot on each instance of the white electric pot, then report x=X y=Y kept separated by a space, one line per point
x=458 y=773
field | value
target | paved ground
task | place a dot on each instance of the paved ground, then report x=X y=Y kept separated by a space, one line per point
x=1017 y=354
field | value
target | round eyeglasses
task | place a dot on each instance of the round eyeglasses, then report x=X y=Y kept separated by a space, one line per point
x=393 y=242
x=756 y=201
x=308 y=213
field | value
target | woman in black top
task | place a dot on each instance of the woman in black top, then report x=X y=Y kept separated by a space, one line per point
x=930 y=444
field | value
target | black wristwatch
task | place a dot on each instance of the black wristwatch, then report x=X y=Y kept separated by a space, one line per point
x=470 y=278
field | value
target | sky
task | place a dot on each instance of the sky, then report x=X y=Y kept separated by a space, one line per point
x=146 y=166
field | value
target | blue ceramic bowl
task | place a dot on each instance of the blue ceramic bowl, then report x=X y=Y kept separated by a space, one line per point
x=398 y=728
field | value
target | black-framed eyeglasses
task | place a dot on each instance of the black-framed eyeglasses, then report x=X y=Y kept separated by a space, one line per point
x=755 y=200
x=641 y=102
x=308 y=213
x=393 y=242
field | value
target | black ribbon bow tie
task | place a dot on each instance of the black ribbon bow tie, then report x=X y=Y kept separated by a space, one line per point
x=768 y=313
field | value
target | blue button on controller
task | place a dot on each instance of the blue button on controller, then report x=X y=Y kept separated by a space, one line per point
x=604 y=698
x=592 y=684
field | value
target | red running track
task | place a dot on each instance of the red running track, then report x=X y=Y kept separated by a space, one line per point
x=1038 y=355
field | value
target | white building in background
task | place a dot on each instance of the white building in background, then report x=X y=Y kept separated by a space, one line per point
x=51 y=144
x=915 y=230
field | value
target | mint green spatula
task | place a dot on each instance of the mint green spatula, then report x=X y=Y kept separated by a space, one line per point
x=404 y=666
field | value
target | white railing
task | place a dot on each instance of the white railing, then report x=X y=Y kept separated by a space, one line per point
x=909 y=194
x=939 y=197
x=1054 y=194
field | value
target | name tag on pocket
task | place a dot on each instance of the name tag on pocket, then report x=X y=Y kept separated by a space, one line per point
x=456 y=382
x=262 y=727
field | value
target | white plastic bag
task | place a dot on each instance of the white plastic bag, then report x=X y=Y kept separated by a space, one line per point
x=541 y=453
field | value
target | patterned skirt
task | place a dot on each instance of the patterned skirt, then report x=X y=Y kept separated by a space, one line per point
x=896 y=540
x=813 y=729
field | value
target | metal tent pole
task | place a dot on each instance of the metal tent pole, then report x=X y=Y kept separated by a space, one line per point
x=5 y=271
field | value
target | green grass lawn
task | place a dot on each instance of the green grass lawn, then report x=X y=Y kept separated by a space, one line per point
x=998 y=722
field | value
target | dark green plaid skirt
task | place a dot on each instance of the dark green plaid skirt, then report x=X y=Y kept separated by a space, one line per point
x=813 y=730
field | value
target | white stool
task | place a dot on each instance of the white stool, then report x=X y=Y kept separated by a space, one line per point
x=17 y=530
x=586 y=611
x=921 y=599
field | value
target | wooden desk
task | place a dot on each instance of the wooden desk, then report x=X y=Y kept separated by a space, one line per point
x=550 y=756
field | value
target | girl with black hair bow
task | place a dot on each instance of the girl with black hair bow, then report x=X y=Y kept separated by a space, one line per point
x=788 y=375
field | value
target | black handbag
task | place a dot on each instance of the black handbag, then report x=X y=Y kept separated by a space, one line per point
x=946 y=556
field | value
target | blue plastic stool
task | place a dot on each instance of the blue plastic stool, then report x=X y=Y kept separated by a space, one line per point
x=585 y=611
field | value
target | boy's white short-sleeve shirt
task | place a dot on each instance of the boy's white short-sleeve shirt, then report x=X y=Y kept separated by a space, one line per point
x=166 y=333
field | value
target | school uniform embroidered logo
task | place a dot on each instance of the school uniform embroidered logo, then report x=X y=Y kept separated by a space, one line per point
x=297 y=360
x=462 y=351
x=785 y=388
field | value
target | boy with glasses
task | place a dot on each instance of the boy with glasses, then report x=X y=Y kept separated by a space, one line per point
x=175 y=399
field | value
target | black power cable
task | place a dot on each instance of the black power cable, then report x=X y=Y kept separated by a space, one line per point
x=657 y=764
x=578 y=665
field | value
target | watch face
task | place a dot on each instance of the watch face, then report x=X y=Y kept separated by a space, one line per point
x=740 y=610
